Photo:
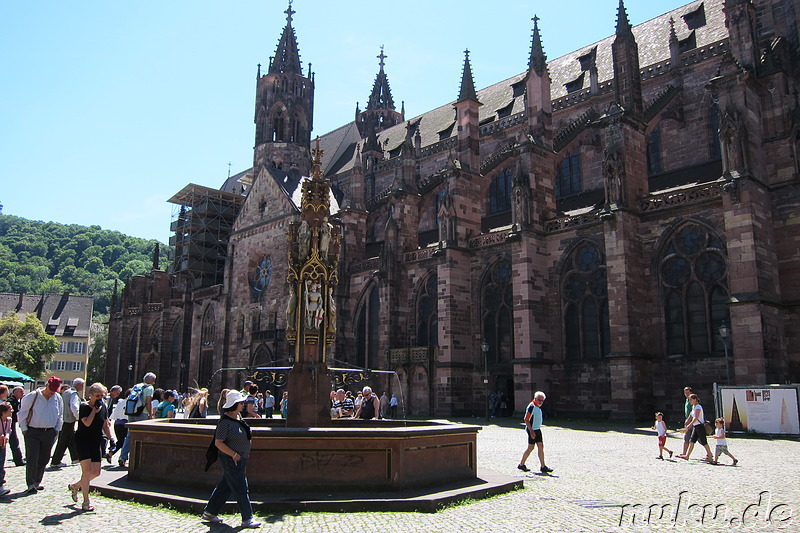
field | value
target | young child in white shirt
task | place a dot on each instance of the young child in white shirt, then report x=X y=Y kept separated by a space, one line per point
x=722 y=442
x=661 y=428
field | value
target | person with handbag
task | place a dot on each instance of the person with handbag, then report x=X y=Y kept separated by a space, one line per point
x=696 y=424
x=40 y=419
x=232 y=440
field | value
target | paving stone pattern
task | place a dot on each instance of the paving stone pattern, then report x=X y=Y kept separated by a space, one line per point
x=598 y=469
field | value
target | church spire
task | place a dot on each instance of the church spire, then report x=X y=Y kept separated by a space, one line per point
x=467 y=91
x=623 y=24
x=381 y=96
x=538 y=61
x=287 y=56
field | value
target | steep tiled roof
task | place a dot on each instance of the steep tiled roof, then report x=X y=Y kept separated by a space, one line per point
x=58 y=313
x=652 y=38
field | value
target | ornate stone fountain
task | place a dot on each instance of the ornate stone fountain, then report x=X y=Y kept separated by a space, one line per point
x=310 y=452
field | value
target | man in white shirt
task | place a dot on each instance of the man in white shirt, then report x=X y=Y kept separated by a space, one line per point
x=40 y=419
x=72 y=403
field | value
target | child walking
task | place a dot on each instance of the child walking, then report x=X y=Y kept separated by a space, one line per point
x=661 y=428
x=722 y=442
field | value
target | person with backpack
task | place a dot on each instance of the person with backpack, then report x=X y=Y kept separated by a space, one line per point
x=166 y=409
x=138 y=407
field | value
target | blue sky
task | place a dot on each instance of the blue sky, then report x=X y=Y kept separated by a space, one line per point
x=107 y=108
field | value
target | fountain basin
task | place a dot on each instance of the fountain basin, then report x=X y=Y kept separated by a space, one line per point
x=379 y=455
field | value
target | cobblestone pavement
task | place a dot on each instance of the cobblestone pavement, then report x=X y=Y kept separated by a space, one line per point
x=604 y=474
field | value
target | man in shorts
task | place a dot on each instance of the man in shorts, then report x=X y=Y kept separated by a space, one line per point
x=533 y=426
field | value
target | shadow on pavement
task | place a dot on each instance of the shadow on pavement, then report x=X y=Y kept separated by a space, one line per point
x=57 y=519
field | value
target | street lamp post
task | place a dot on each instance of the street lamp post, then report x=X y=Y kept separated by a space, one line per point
x=485 y=350
x=130 y=374
x=725 y=333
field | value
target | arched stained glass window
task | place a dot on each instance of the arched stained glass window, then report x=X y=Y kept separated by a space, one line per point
x=427 y=313
x=497 y=312
x=367 y=323
x=500 y=193
x=568 y=180
x=209 y=327
x=694 y=273
x=584 y=291
x=654 y=151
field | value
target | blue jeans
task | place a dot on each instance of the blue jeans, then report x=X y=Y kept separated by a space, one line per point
x=126 y=446
x=233 y=482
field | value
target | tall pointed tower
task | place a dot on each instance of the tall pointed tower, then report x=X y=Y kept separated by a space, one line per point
x=284 y=108
x=380 y=108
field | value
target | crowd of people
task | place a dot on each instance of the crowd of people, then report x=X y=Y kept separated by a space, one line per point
x=90 y=423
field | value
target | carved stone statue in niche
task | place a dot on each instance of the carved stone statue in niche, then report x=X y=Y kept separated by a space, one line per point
x=304 y=234
x=315 y=308
x=331 y=312
x=732 y=137
x=325 y=237
x=522 y=202
x=613 y=174
x=447 y=218
x=291 y=309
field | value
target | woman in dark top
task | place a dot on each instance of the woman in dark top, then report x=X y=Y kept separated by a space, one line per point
x=232 y=439
x=92 y=423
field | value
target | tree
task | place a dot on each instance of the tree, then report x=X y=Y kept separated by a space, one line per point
x=24 y=345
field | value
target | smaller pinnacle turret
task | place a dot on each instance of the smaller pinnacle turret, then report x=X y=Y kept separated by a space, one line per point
x=538 y=61
x=467 y=91
x=623 y=24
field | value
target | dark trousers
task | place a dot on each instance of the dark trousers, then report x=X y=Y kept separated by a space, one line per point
x=38 y=445
x=233 y=483
x=13 y=443
x=65 y=440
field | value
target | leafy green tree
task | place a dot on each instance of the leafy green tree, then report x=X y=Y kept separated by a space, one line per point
x=24 y=345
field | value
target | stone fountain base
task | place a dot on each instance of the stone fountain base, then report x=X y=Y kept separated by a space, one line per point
x=350 y=455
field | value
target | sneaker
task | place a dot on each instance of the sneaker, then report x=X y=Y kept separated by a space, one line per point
x=58 y=465
x=208 y=517
x=4 y=491
x=670 y=455
x=40 y=487
x=659 y=457
x=21 y=463
x=523 y=468
x=734 y=462
x=122 y=463
x=31 y=490
x=546 y=470
x=251 y=523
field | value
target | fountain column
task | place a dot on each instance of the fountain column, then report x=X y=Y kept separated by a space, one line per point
x=311 y=311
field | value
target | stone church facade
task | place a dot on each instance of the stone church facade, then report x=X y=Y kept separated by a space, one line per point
x=588 y=227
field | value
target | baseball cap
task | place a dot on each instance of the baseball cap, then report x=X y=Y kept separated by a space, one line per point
x=54 y=383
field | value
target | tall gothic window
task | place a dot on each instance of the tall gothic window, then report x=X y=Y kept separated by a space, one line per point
x=694 y=277
x=497 y=312
x=367 y=329
x=208 y=333
x=716 y=149
x=427 y=315
x=500 y=193
x=568 y=180
x=585 y=295
x=654 y=151
x=278 y=127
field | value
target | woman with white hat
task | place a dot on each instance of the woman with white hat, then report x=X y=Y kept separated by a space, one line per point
x=232 y=439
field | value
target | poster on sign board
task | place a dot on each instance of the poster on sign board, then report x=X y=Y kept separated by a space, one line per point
x=771 y=410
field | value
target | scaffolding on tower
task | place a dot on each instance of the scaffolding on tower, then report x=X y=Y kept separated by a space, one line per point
x=202 y=226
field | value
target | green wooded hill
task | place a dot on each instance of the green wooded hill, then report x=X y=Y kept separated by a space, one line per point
x=47 y=257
